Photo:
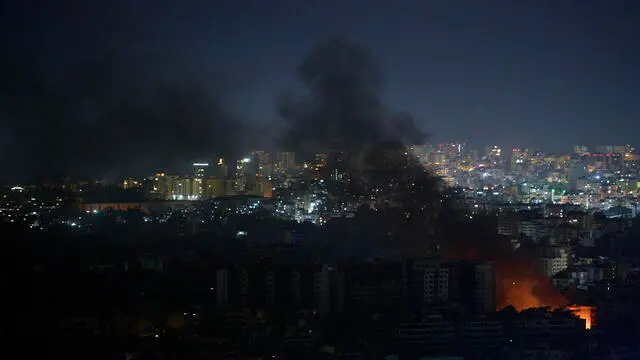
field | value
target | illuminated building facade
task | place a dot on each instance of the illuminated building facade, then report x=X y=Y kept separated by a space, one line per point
x=160 y=188
x=580 y=150
x=243 y=174
x=517 y=160
x=493 y=154
x=130 y=184
x=201 y=170
x=261 y=164
x=220 y=170
x=200 y=174
x=183 y=188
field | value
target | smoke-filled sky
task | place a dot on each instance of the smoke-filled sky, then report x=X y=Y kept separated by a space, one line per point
x=341 y=107
x=173 y=75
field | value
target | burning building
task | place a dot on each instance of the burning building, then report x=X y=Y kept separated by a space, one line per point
x=586 y=313
x=519 y=284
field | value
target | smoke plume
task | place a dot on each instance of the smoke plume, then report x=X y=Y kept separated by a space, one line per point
x=342 y=109
x=106 y=116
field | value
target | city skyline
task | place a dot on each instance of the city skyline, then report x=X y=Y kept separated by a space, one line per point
x=522 y=74
x=265 y=156
x=320 y=179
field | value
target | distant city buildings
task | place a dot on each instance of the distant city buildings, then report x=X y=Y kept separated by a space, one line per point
x=286 y=162
x=199 y=178
x=309 y=251
x=596 y=178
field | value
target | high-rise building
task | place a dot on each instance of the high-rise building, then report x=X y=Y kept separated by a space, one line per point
x=221 y=171
x=286 y=162
x=222 y=287
x=259 y=188
x=244 y=167
x=213 y=187
x=451 y=150
x=184 y=188
x=473 y=154
x=614 y=149
x=200 y=169
x=493 y=153
x=436 y=285
x=160 y=187
x=554 y=260
x=517 y=160
x=370 y=286
x=485 y=289
x=434 y=281
x=336 y=164
x=576 y=171
x=200 y=174
x=261 y=164
x=322 y=289
x=580 y=149
x=244 y=172
x=438 y=158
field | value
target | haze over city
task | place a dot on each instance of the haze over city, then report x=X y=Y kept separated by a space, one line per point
x=521 y=74
x=320 y=179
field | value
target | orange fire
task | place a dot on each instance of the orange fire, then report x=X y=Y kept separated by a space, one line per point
x=520 y=293
x=526 y=291
x=583 y=312
x=520 y=285
x=518 y=282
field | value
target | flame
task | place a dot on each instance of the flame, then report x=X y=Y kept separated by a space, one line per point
x=518 y=280
x=525 y=294
x=583 y=312
x=525 y=291
x=519 y=284
x=521 y=294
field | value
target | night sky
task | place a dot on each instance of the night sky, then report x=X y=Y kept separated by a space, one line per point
x=546 y=74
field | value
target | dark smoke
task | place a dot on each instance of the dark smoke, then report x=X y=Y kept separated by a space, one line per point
x=342 y=109
x=106 y=116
